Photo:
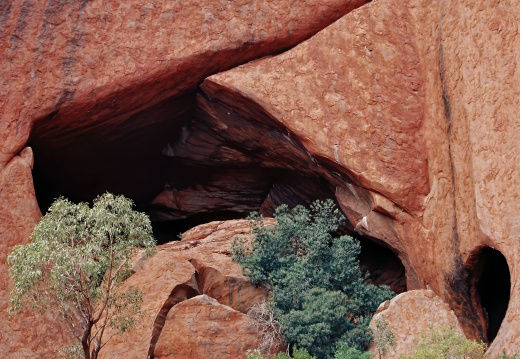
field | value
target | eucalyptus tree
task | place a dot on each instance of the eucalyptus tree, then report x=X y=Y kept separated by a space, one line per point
x=76 y=264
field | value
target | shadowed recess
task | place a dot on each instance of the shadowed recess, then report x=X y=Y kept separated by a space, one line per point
x=490 y=282
x=382 y=265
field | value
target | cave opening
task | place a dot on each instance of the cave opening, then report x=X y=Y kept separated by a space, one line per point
x=490 y=283
x=382 y=264
x=177 y=191
x=184 y=167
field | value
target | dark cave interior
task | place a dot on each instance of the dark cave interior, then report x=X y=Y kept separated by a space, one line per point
x=179 y=192
x=490 y=282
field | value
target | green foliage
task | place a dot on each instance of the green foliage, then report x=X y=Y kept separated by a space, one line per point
x=504 y=355
x=446 y=343
x=345 y=352
x=383 y=337
x=319 y=294
x=297 y=354
x=75 y=265
x=254 y=354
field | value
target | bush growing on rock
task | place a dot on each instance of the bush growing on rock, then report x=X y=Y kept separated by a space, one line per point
x=320 y=297
x=297 y=354
x=75 y=265
x=446 y=343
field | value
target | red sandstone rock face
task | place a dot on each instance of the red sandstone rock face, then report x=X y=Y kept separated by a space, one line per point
x=408 y=315
x=202 y=327
x=404 y=110
x=383 y=105
x=22 y=336
x=85 y=64
x=217 y=323
x=321 y=108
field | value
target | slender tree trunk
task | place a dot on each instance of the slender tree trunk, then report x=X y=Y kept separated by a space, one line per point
x=85 y=340
x=95 y=351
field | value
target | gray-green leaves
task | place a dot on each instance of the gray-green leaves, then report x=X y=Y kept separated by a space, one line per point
x=76 y=262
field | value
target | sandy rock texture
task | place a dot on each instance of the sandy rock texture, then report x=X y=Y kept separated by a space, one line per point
x=405 y=111
x=481 y=85
x=192 y=287
x=22 y=335
x=201 y=327
x=408 y=315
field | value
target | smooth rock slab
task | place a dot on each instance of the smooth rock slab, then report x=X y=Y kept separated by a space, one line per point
x=201 y=327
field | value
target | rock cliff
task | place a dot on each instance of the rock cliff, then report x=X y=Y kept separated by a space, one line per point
x=404 y=111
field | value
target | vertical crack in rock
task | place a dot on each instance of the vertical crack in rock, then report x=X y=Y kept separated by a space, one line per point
x=457 y=280
x=179 y=293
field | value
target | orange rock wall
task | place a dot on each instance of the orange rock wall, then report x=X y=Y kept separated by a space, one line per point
x=406 y=109
x=480 y=56
x=429 y=70
x=172 y=282
x=84 y=64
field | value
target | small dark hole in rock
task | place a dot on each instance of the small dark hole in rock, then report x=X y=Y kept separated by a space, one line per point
x=490 y=282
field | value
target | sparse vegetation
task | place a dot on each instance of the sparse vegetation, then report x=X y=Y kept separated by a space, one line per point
x=320 y=297
x=75 y=265
x=446 y=343
x=504 y=355
x=297 y=354
x=265 y=323
x=345 y=352
x=383 y=337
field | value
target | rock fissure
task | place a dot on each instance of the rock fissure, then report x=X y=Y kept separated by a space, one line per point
x=180 y=293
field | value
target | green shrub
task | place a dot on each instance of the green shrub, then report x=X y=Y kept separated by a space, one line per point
x=383 y=337
x=345 y=352
x=444 y=342
x=320 y=296
x=254 y=354
x=504 y=355
x=297 y=354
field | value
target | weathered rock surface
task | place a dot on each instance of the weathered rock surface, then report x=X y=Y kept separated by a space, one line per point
x=481 y=84
x=384 y=107
x=199 y=264
x=22 y=335
x=320 y=109
x=408 y=315
x=201 y=327
x=405 y=111
x=76 y=66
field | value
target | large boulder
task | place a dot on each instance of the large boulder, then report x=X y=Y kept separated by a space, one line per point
x=202 y=327
x=406 y=317
x=198 y=264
